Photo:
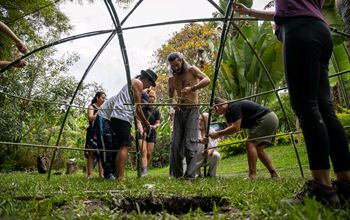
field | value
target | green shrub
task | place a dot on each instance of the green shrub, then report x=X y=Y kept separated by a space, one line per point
x=228 y=147
x=276 y=107
x=282 y=140
x=8 y=163
x=345 y=120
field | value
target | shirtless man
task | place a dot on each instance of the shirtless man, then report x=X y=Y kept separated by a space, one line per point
x=185 y=80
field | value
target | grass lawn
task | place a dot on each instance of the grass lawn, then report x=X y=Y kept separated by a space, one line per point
x=31 y=196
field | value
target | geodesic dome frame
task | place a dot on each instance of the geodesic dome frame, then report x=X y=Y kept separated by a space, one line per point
x=228 y=21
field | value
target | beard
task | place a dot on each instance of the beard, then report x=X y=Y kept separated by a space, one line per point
x=183 y=69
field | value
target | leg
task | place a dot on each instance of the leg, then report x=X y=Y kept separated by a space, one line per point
x=108 y=158
x=150 y=147
x=121 y=161
x=177 y=148
x=191 y=143
x=191 y=164
x=100 y=168
x=338 y=143
x=303 y=62
x=171 y=163
x=143 y=146
x=265 y=159
x=109 y=161
x=213 y=162
x=306 y=44
x=90 y=164
x=199 y=160
x=252 y=156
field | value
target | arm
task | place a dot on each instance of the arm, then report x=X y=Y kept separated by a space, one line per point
x=137 y=90
x=19 y=44
x=19 y=64
x=171 y=93
x=265 y=15
x=232 y=128
x=156 y=125
x=139 y=127
x=156 y=115
x=171 y=89
x=91 y=115
x=203 y=79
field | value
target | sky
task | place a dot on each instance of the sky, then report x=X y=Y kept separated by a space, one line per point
x=140 y=43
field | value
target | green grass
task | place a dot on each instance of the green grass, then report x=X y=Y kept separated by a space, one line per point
x=32 y=196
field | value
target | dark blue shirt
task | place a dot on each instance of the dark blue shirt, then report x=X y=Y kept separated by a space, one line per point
x=151 y=114
x=245 y=110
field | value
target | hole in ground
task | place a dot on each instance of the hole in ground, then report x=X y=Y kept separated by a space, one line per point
x=175 y=204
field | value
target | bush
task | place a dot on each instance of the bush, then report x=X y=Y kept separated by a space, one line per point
x=228 y=148
x=7 y=164
x=283 y=139
x=345 y=120
x=276 y=107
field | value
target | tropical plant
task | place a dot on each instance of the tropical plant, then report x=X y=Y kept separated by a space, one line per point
x=340 y=57
x=241 y=72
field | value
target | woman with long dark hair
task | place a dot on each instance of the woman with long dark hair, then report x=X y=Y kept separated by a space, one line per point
x=93 y=139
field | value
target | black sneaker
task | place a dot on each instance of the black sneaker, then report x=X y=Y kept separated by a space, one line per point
x=343 y=191
x=312 y=189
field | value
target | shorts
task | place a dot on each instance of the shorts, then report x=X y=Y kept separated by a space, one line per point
x=151 y=138
x=267 y=125
x=121 y=132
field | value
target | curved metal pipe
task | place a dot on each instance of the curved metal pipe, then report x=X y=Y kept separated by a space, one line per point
x=115 y=19
x=216 y=73
x=75 y=93
x=274 y=88
x=277 y=95
x=61 y=41
x=132 y=10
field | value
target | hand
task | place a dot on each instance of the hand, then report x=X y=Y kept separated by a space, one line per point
x=176 y=108
x=238 y=7
x=205 y=154
x=186 y=90
x=20 y=64
x=154 y=127
x=21 y=47
x=146 y=125
x=214 y=135
x=140 y=129
x=171 y=111
x=204 y=140
x=132 y=137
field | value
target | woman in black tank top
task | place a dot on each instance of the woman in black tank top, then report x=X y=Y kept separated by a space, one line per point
x=92 y=135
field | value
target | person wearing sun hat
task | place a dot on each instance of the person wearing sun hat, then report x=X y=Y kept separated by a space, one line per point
x=121 y=118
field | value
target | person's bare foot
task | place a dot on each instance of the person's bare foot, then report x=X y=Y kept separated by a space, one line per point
x=275 y=176
x=251 y=177
x=120 y=179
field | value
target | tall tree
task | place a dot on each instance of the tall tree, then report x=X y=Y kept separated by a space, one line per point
x=45 y=78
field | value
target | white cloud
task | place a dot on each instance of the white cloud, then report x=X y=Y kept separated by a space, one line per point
x=140 y=43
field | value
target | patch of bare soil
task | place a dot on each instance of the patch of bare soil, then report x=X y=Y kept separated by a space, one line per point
x=171 y=204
